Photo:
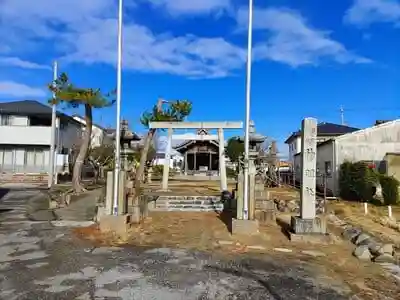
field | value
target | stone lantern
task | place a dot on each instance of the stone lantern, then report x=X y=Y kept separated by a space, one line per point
x=255 y=141
x=128 y=138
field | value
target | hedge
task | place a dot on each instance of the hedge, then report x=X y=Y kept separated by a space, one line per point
x=390 y=189
x=357 y=181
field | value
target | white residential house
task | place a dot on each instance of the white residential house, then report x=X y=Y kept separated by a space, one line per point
x=325 y=131
x=100 y=135
x=175 y=162
x=25 y=139
x=371 y=144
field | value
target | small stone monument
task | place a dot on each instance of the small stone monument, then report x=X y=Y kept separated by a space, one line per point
x=308 y=223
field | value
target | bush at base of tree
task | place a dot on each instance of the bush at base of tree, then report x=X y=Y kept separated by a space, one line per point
x=357 y=181
x=390 y=189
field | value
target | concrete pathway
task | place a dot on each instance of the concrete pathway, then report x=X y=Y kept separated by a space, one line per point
x=41 y=261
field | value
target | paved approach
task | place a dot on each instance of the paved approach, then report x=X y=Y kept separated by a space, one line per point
x=39 y=260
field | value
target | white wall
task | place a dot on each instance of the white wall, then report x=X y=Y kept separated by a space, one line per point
x=325 y=157
x=25 y=135
x=174 y=159
x=97 y=133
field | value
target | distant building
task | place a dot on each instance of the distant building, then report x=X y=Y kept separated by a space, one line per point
x=100 y=135
x=25 y=139
x=377 y=145
x=200 y=157
x=325 y=131
x=175 y=162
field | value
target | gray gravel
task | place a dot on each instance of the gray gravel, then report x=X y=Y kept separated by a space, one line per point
x=42 y=261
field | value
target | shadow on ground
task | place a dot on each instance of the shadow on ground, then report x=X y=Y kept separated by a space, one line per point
x=3 y=192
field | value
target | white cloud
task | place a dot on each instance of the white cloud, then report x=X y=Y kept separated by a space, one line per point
x=19 y=63
x=185 y=55
x=291 y=40
x=192 y=7
x=15 y=89
x=89 y=35
x=365 y=12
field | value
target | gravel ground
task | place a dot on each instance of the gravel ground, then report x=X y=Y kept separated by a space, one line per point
x=39 y=260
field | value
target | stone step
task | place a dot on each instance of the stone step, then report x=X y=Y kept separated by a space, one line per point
x=189 y=202
x=204 y=209
x=184 y=198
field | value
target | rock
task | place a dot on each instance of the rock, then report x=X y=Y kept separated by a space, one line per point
x=384 y=258
x=313 y=253
x=283 y=250
x=351 y=233
x=292 y=205
x=256 y=247
x=225 y=242
x=375 y=248
x=360 y=238
x=384 y=221
x=362 y=253
x=388 y=249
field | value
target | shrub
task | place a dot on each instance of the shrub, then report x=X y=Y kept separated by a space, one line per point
x=158 y=171
x=230 y=173
x=357 y=181
x=390 y=189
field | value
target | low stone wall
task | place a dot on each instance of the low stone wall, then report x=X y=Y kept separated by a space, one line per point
x=367 y=247
x=186 y=203
x=26 y=178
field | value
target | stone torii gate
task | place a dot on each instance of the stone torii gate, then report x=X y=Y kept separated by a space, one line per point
x=220 y=126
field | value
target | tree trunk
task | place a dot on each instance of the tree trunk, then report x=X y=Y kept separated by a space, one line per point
x=143 y=158
x=143 y=155
x=83 y=150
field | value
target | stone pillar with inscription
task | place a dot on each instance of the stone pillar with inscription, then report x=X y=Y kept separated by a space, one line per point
x=308 y=223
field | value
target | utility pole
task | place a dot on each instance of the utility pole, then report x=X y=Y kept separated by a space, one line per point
x=342 y=114
x=53 y=133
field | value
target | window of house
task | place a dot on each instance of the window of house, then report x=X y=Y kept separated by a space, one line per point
x=328 y=168
x=35 y=158
x=5 y=120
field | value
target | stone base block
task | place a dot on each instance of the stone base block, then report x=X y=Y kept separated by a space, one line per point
x=308 y=226
x=244 y=227
x=114 y=224
x=313 y=238
x=134 y=212
x=266 y=216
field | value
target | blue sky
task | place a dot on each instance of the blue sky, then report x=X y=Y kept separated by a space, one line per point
x=310 y=57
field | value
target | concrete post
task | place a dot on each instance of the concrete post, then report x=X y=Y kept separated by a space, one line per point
x=122 y=199
x=166 y=161
x=239 y=197
x=252 y=189
x=222 y=167
x=109 y=192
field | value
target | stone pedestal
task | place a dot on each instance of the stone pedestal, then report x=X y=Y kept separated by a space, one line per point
x=118 y=225
x=309 y=230
x=308 y=226
x=134 y=212
x=244 y=227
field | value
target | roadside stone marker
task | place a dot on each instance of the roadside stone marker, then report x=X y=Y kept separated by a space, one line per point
x=307 y=223
x=308 y=168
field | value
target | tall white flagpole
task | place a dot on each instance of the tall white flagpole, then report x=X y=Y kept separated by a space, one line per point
x=247 y=119
x=53 y=134
x=118 y=125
